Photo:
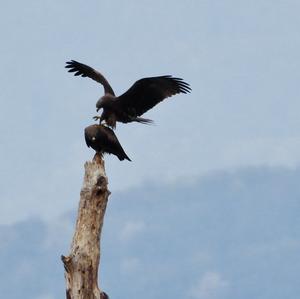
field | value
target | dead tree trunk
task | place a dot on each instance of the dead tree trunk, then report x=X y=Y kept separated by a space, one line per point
x=81 y=265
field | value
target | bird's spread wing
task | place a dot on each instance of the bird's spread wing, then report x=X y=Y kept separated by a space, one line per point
x=84 y=70
x=147 y=92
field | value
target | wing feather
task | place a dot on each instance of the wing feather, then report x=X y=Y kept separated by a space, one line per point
x=145 y=93
x=112 y=143
x=84 y=70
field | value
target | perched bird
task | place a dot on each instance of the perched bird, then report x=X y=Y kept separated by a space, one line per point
x=103 y=140
x=143 y=95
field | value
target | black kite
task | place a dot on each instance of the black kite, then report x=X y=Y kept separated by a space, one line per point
x=143 y=95
x=103 y=140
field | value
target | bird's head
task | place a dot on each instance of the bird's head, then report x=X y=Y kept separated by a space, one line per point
x=104 y=102
x=99 y=104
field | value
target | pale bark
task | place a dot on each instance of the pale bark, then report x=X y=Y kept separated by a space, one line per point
x=81 y=265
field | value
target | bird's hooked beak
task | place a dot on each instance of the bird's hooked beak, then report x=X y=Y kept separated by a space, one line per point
x=99 y=105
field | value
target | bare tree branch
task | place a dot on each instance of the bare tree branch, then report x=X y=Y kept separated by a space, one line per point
x=81 y=265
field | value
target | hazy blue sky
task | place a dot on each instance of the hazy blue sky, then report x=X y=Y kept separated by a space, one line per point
x=242 y=61
x=240 y=57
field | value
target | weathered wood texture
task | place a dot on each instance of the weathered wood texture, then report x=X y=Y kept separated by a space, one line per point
x=81 y=265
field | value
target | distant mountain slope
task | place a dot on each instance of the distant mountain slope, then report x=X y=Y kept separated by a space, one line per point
x=228 y=235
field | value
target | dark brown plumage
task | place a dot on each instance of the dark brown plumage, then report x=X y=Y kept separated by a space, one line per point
x=103 y=295
x=143 y=95
x=103 y=140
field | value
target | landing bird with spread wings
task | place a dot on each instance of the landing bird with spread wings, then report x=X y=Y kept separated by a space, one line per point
x=143 y=95
x=103 y=140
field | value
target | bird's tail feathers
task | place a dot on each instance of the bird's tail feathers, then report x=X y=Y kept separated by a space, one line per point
x=127 y=158
x=145 y=121
x=123 y=157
